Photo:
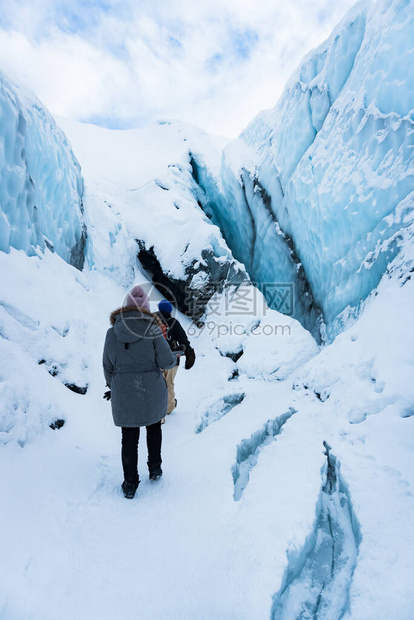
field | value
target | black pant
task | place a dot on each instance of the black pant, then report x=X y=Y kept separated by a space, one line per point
x=130 y=438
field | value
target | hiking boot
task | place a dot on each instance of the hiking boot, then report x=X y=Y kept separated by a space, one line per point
x=129 y=489
x=155 y=471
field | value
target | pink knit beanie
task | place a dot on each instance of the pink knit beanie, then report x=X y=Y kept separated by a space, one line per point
x=137 y=297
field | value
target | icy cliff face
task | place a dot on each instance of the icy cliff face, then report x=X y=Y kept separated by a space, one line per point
x=41 y=185
x=313 y=186
x=241 y=207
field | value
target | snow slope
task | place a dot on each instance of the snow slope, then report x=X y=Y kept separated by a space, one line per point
x=141 y=180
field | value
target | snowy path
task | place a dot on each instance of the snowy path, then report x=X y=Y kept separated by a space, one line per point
x=77 y=546
x=183 y=548
x=187 y=546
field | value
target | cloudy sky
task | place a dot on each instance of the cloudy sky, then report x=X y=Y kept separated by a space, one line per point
x=123 y=63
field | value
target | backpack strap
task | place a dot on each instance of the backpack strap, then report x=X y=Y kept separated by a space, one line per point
x=162 y=324
x=164 y=329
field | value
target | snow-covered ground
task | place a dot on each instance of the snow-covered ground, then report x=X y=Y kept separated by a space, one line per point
x=243 y=505
x=288 y=486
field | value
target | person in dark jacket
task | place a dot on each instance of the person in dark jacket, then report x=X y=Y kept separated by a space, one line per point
x=177 y=338
x=135 y=351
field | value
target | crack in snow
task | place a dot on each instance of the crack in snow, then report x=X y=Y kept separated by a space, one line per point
x=317 y=581
x=219 y=409
x=248 y=451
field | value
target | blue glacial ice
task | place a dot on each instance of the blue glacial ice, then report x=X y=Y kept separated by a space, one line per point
x=241 y=207
x=309 y=192
x=317 y=581
x=41 y=186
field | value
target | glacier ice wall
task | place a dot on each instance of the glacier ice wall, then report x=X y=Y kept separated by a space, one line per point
x=41 y=185
x=242 y=210
x=334 y=159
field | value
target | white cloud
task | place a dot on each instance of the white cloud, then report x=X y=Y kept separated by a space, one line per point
x=215 y=64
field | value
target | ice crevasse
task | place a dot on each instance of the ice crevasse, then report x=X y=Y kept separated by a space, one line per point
x=310 y=193
x=41 y=186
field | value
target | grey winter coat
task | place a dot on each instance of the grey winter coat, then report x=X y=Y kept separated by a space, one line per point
x=135 y=351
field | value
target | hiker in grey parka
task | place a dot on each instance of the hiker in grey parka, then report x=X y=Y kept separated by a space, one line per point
x=135 y=350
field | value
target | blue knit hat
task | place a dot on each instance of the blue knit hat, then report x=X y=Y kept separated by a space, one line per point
x=165 y=306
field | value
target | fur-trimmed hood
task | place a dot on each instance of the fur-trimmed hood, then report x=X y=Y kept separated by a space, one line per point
x=115 y=313
x=130 y=323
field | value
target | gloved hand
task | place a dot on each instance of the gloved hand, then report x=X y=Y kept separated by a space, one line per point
x=190 y=358
x=107 y=395
x=179 y=352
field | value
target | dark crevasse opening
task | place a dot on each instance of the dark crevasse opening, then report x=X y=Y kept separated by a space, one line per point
x=169 y=287
x=189 y=297
x=252 y=232
x=317 y=581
